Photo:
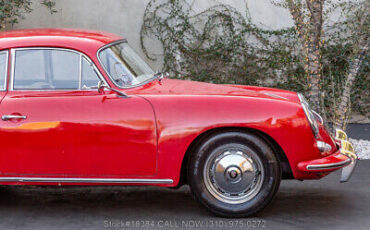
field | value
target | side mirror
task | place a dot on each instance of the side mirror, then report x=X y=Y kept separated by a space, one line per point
x=160 y=75
x=102 y=86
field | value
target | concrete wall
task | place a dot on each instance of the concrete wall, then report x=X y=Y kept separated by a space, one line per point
x=124 y=17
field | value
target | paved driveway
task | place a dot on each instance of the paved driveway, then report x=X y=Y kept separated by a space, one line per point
x=324 y=204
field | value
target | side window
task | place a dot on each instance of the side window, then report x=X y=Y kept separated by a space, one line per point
x=46 y=69
x=65 y=69
x=89 y=76
x=3 y=69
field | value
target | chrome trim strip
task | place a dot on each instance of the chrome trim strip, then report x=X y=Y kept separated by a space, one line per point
x=85 y=180
x=329 y=166
x=274 y=95
x=10 y=86
x=13 y=51
x=6 y=69
x=80 y=73
x=307 y=110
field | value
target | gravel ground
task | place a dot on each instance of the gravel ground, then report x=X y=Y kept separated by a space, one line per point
x=362 y=148
x=359 y=135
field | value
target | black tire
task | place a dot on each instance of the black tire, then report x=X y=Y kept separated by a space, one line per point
x=268 y=183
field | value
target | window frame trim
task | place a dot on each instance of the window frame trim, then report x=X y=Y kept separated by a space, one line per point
x=81 y=57
x=5 y=83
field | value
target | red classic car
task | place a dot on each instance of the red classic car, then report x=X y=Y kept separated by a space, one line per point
x=82 y=108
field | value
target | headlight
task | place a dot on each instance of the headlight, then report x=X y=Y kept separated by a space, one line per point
x=310 y=114
x=318 y=116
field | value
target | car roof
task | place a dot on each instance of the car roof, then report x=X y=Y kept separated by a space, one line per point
x=83 y=40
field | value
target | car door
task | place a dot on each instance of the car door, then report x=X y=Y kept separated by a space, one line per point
x=54 y=124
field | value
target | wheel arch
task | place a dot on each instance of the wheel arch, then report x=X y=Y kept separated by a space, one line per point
x=285 y=166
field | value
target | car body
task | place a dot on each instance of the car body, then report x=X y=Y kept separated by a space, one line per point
x=145 y=135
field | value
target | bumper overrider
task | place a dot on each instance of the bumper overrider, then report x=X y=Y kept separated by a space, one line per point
x=345 y=158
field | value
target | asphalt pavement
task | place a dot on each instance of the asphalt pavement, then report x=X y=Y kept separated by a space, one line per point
x=316 y=204
x=359 y=131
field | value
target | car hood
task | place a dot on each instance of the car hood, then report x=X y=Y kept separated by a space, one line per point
x=185 y=87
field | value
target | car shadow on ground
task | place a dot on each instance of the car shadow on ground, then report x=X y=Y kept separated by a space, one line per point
x=141 y=199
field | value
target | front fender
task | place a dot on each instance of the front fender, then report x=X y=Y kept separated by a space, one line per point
x=181 y=119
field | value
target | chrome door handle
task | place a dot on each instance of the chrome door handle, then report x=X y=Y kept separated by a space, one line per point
x=10 y=117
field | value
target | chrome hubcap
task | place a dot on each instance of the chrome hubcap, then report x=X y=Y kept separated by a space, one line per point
x=233 y=176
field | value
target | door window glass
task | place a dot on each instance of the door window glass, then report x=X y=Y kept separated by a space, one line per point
x=46 y=69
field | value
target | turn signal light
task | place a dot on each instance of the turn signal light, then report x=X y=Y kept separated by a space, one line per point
x=323 y=147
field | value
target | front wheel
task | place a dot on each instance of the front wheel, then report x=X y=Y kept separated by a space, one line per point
x=234 y=174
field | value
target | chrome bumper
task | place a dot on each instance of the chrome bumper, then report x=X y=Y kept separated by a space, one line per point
x=329 y=166
x=345 y=158
x=348 y=170
x=348 y=150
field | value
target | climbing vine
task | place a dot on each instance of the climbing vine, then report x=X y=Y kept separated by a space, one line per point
x=11 y=11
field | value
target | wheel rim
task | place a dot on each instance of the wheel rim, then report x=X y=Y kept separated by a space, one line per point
x=233 y=176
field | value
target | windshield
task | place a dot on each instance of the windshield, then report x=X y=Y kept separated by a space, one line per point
x=124 y=66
